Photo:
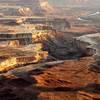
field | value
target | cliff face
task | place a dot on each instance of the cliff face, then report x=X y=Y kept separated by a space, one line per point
x=44 y=4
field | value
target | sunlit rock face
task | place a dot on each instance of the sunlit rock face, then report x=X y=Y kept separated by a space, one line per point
x=14 y=43
x=44 y=4
x=25 y=11
x=20 y=11
x=24 y=7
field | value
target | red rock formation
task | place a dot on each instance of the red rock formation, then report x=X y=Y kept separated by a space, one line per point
x=69 y=81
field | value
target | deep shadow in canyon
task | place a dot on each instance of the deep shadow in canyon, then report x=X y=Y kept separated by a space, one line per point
x=67 y=48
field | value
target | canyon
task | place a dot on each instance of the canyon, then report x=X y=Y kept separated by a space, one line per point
x=49 y=52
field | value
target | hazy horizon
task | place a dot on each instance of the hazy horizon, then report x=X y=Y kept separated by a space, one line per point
x=63 y=2
x=75 y=2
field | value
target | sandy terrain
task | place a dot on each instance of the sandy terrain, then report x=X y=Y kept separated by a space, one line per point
x=69 y=81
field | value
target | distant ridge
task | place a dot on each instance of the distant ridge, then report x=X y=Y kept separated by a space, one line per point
x=37 y=6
